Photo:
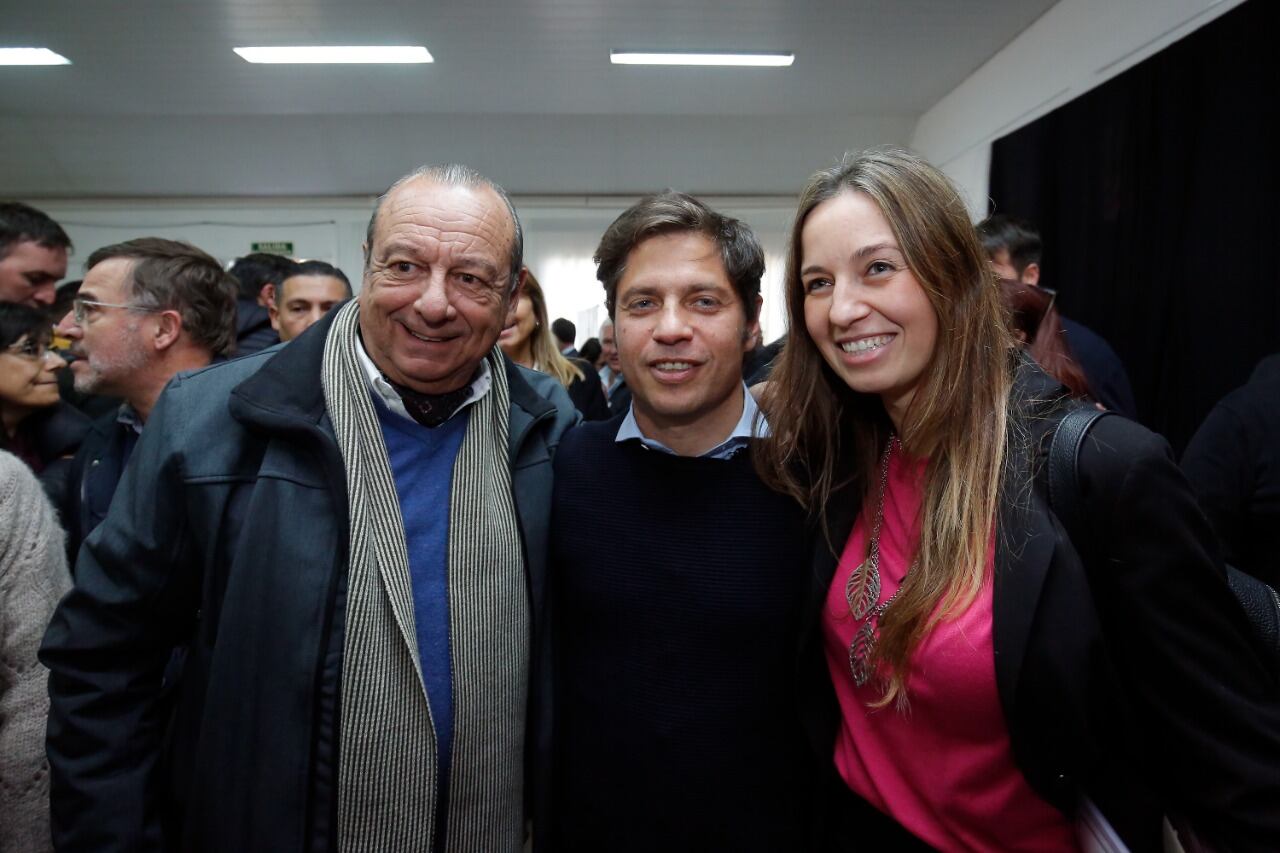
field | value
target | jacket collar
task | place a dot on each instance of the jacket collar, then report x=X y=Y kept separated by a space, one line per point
x=527 y=407
x=286 y=392
x=1025 y=536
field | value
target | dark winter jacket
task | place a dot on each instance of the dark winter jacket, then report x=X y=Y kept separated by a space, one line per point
x=95 y=473
x=228 y=539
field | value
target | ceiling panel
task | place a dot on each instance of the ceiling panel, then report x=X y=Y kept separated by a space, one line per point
x=156 y=103
x=157 y=57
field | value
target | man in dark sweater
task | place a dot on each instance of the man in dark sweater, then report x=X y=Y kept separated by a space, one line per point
x=678 y=574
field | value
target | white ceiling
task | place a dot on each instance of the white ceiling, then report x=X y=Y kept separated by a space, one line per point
x=156 y=103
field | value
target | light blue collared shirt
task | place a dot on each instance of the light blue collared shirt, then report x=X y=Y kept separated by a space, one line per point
x=746 y=429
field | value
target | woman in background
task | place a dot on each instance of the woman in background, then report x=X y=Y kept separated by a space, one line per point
x=528 y=341
x=33 y=577
x=975 y=672
x=592 y=353
x=35 y=425
x=1038 y=329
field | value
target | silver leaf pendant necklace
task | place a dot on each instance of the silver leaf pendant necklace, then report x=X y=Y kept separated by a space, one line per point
x=862 y=590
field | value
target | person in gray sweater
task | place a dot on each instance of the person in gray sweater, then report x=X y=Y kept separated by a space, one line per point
x=33 y=577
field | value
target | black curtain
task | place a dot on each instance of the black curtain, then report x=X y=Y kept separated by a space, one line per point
x=1156 y=197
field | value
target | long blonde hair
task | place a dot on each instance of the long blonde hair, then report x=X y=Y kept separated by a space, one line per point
x=827 y=439
x=547 y=357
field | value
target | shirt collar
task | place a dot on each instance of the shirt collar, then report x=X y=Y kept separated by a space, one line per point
x=382 y=390
x=747 y=428
x=128 y=416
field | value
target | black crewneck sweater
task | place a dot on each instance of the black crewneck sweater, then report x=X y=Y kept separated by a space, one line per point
x=676 y=586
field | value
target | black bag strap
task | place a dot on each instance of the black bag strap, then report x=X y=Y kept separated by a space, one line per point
x=1064 y=460
x=1260 y=602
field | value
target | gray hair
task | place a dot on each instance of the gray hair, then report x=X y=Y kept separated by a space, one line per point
x=455 y=175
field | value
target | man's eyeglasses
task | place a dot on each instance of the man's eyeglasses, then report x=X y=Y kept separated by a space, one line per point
x=83 y=309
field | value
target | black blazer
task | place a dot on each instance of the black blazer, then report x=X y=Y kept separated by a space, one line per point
x=1130 y=675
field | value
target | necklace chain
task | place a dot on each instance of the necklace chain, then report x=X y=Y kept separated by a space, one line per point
x=862 y=590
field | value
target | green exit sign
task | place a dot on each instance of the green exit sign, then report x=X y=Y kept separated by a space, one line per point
x=275 y=247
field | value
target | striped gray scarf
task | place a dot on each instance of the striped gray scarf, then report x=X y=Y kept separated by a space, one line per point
x=387 y=782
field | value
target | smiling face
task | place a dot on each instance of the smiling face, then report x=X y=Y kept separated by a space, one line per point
x=29 y=273
x=681 y=331
x=865 y=310
x=515 y=337
x=437 y=284
x=28 y=378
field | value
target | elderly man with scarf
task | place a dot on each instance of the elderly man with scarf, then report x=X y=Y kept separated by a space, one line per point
x=343 y=540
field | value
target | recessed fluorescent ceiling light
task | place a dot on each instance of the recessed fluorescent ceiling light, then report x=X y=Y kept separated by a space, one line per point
x=318 y=55
x=620 y=57
x=31 y=56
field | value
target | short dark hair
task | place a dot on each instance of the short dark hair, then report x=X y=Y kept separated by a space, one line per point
x=564 y=330
x=1015 y=236
x=22 y=223
x=173 y=275
x=590 y=350
x=260 y=268
x=317 y=268
x=18 y=320
x=669 y=212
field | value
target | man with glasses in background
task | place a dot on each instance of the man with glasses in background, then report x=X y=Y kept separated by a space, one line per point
x=148 y=308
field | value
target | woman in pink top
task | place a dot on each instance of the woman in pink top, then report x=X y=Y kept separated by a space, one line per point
x=975 y=674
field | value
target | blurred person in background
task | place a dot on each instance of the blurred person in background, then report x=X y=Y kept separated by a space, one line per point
x=566 y=333
x=63 y=297
x=33 y=577
x=615 y=383
x=528 y=341
x=1014 y=248
x=147 y=309
x=592 y=353
x=305 y=295
x=33 y=255
x=259 y=274
x=1233 y=463
x=38 y=427
x=1039 y=332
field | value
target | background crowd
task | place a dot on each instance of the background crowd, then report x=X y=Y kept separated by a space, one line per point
x=285 y=516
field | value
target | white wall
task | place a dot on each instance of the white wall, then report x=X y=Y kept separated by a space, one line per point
x=293 y=155
x=1075 y=46
x=560 y=235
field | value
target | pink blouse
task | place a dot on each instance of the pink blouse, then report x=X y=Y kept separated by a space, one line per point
x=945 y=768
